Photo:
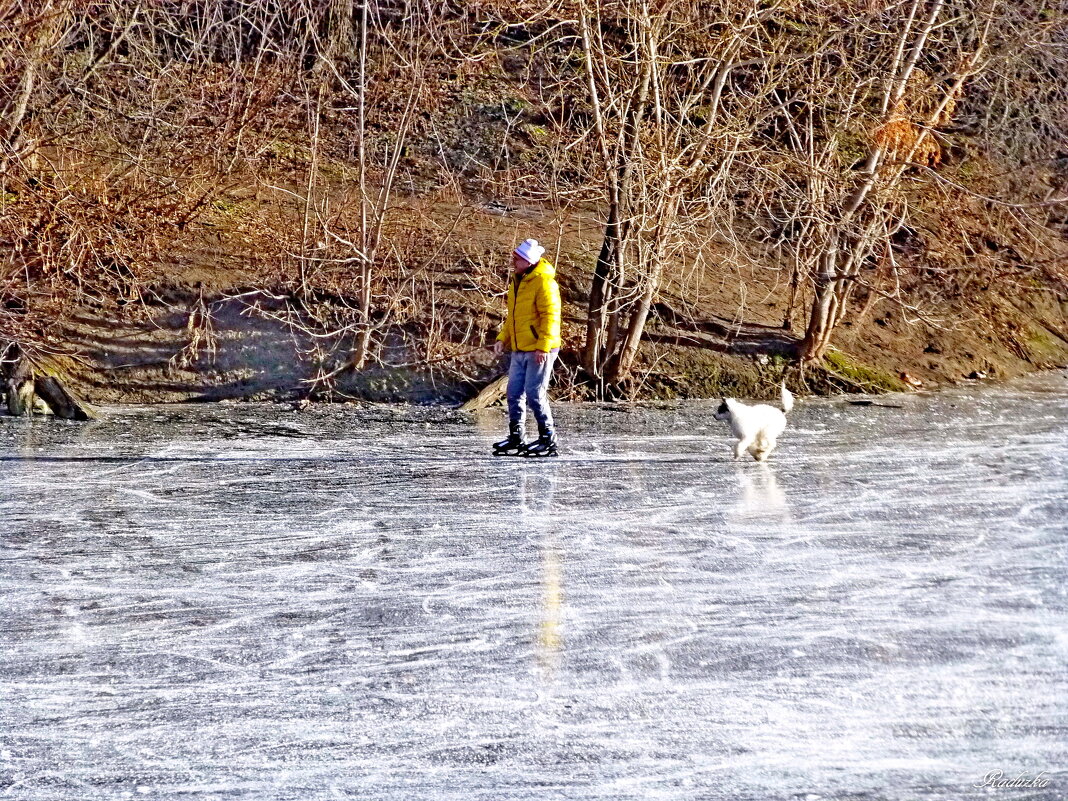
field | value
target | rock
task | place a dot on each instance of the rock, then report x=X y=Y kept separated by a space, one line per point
x=39 y=405
x=35 y=389
x=976 y=375
x=60 y=401
x=490 y=394
x=18 y=384
x=20 y=397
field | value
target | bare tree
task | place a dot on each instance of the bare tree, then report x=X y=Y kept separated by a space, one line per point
x=801 y=139
x=911 y=108
x=656 y=78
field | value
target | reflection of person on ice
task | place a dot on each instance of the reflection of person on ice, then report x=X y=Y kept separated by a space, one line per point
x=531 y=332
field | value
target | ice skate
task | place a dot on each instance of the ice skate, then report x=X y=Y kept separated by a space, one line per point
x=544 y=445
x=513 y=445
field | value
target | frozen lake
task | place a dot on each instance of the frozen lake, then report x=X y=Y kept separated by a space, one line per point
x=248 y=602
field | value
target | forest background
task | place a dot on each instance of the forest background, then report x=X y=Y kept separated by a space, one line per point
x=274 y=198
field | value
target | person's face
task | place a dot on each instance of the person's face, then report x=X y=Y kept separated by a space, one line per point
x=519 y=263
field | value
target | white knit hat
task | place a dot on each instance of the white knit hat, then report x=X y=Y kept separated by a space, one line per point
x=530 y=250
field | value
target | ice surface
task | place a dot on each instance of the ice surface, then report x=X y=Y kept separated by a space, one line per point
x=222 y=602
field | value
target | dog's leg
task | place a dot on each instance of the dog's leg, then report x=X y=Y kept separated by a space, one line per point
x=758 y=446
x=742 y=446
x=762 y=450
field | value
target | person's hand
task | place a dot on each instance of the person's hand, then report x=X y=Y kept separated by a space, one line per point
x=498 y=348
x=539 y=357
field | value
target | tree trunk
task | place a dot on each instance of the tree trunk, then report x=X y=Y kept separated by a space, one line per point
x=833 y=278
x=824 y=307
x=599 y=292
x=363 y=335
x=625 y=360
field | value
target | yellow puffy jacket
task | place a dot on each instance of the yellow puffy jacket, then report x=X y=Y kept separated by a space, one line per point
x=533 y=321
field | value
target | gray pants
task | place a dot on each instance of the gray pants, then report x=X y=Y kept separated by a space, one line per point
x=527 y=377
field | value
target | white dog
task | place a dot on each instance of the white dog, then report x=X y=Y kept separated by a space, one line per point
x=757 y=428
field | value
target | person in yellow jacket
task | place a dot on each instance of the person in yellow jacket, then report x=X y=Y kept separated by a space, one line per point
x=531 y=332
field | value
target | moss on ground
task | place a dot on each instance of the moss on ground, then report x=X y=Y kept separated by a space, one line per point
x=1042 y=345
x=684 y=373
x=862 y=376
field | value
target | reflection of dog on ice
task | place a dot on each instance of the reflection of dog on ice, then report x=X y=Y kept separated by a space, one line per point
x=757 y=428
x=760 y=495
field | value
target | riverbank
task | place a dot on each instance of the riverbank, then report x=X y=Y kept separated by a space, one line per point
x=269 y=212
x=200 y=340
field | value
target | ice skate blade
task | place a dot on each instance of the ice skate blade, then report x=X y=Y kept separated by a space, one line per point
x=510 y=452
x=544 y=455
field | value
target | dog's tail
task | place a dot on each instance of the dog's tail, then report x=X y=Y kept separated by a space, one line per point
x=787 y=399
